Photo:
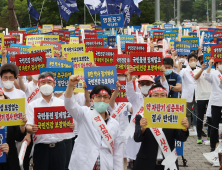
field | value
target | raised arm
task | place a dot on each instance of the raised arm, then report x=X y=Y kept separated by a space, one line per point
x=4 y=53
x=114 y=95
x=197 y=76
x=21 y=83
x=207 y=76
x=87 y=97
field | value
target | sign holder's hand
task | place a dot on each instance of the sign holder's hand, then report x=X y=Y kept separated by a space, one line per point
x=130 y=70
x=185 y=123
x=72 y=126
x=4 y=147
x=143 y=124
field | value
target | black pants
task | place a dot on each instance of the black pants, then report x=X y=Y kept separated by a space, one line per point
x=201 y=107
x=216 y=117
x=209 y=122
x=69 y=146
x=46 y=158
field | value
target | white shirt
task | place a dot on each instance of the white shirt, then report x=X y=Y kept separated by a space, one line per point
x=89 y=144
x=30 y=91
x=203 y=86
x=41 y=102
x=216 y=93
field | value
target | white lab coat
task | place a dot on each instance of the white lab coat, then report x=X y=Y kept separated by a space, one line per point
x=89 y=144
x=189 y=84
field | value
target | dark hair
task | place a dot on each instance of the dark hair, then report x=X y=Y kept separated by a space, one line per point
x=46 y=74
x=168 y=61
x=98 y=88
x=9 y=68
x=191 y=55
x=159 y=40
x=145 y=38
x=8 y=71
x=156 y=85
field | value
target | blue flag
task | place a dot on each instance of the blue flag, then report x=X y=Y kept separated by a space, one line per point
x=64 y=10
x=72 y=4
x=97 y=9
x=32 y=11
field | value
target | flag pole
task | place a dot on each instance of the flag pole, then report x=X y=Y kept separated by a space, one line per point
x=95 y=19
x=30 y=21
x=90 y=13
x=84 y=14
x=61 y=21
x=41 y=10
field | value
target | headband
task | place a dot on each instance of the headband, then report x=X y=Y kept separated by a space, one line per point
x=103 y=92
x=46 y=78
x=160 y=89
x=1 y=91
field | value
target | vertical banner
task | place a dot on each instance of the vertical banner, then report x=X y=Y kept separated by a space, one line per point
x=1 y=42
x=146 y=63
x=2 y=140
x=138 y=48
x=122 y=62
x=104 y=56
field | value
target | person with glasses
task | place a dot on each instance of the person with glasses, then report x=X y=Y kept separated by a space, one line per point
x=96 y=146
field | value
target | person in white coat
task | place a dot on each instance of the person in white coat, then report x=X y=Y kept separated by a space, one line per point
x=96 y=146
x=189 y=88
x=137 y=101
x=214 y=77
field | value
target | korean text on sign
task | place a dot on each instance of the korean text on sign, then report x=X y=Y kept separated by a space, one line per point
x=162 y=113
x=48 y=49
x=72 y=49
x=104 y=56
x=194 y=41
x=216 y=52
x=100 y=76
x=206 y=58
x=122 y=62
x=30 y=64
x=57 y=63
x=146 y=63
x=131 y=47
x=112 y=21
x=12 y=111
x=94 y=43
x=182 y=48
x=52 y=120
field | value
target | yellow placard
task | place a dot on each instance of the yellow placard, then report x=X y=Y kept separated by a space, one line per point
x=164 y=112
x=184 y=36
x=80 y=83
x=34 y=39
x=1 y=42
x=70 y=28
x=48 y=49
x=53 y=38
x=47 y=28
x=72 y=49
x=208 y=50
x=11 y=111
x=125 y=32
x=171 y=45
x=85 y=27
x=74 y=40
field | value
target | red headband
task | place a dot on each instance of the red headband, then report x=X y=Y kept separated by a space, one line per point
x=1 y=91
x=160 y=89
x=46 y=78
x=103 y=92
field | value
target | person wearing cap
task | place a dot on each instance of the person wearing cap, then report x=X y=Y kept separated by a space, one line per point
x=49 y=149
x=174 y=80
x=189 y=90
x=96 y=146
x=214 y=78
x=137 y=100
x=150 y=155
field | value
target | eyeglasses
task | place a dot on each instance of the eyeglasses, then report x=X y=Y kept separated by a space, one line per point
x=5 y=78
x=105 y=97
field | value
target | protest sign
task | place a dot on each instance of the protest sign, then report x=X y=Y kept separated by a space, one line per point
x=94 y=43
x=105 y=39
x=126 y=39
x=219 y=41
x=58 y=63
x=12 y=52
x=23 y=49
x=87 y=37
x=98 y=28
x=32 y=30
x=72 y=49
x=179 y=147
x=57 y=27
x=192 y=34
x=34 y=39
x=74 y=40
x=171 y=45
x=85 y=27
x=175 y=30
x=216 y=35
x=2 y=140
x=7 y=58
x=171 y=35
x=194 y=41
x=162 y=113
x=1 y=42
x=56 y=47
x=47 y=28
x=16 y=34
x=135 y=28
x=30 y=64
x=216 y=53
x=104 y=56
x=206 y=48
x=122 y=62
x=11 y=112
x=112 y=21
x=110 y=32
x=9 y=41
x=157 y=35
x=79 y=85
x=67 y=36
x=100 y=76
x=206 y=58
x=182 y=48
x=25 y=38
x=138 y=48
x=60 y=33
x=208 y=35
x=146 y=63
x=61 y=76
x=54 y=38
x=168 y=25
x=111 y=41
x=52 y=120
x=48 y=49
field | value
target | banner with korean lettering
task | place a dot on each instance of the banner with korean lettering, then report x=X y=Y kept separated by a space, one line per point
x=74 y=40
x=216 y=53
x=16 y=34
x=32 y=30
x=105 y=39
x=135 y=47
x=94 y=43
x=157 y=35
x=1 y=42
x=12 y=52
x=9 y=41
x=171 y=35
x=110 y=32
x=47 y=28
x=23 y=49
x=60 y=33
x=194 y=41
x=72 y=49
x=50 y=120
x=219 y=41
x=193 y=34
x=168 y=25
x=30 y=64
x=162 y=113
x=217 y=35
x=126 y=39
x=2 y=140
x=61 y=77
x=104 y=56
x=54 y=38
x=100 y=76
x=206 y=58
x=58 y=63
x=122 y=62
x=56 y=47
x=11 y=112
x=146 y=63
x=171 y=44
x=48 y=49
x=182 y=48
x=206 y=48
x=112 y=21
x=34 y=39
x=111 y=41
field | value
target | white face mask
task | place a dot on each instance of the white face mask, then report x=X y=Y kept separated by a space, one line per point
x=145 y=89
x=160 y=49
x=46 y=89
x=58 y=92
x=193 y=64
x=8 y=84
x=133 y=77
x=35 y=77
x=121 y=78
x=182 y=60
x=220 y=67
